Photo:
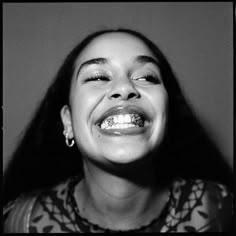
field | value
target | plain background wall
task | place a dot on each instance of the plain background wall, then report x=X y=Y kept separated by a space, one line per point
x=197 y=38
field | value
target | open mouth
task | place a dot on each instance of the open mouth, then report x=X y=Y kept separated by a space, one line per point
x=122 y=121
x=123 y=118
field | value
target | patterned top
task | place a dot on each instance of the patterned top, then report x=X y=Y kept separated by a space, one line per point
x=193 y=206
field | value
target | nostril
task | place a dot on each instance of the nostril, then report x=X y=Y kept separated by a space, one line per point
x=130 y=96
x=123 y=91
x=116 y=95
x=133 y=95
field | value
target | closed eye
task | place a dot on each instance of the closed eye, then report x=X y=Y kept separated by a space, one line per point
x=149 y=78
x=97 y=78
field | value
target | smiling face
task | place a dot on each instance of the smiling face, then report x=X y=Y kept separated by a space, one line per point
x=118 y=103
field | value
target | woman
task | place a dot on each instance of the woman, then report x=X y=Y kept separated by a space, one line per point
x=122 y=114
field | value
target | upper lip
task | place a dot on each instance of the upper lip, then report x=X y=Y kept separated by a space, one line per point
x=130 y=109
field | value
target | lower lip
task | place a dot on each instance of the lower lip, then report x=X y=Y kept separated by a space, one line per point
x=122 y=132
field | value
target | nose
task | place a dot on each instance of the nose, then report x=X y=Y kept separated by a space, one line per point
x=123 y=89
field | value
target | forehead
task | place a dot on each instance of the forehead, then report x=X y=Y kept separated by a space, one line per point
x=114 y=45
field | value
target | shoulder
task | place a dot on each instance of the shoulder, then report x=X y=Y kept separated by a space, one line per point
x=201 y=205
x=31 y=209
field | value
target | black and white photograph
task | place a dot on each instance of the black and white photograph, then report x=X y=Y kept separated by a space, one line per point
x=118 y=117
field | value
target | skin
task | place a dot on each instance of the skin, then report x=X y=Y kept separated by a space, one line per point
x=119 y=184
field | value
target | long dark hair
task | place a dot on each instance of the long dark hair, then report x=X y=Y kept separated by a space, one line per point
x=42 y=159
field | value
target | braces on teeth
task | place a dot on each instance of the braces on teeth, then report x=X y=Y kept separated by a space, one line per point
x=122 y=121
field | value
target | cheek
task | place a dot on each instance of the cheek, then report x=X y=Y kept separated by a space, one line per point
x=158 y=99
x=83 y=102
x=160 y=104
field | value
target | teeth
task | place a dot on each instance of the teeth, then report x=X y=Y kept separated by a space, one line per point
x=127 y=118
x=122 y=121
x=118 y=126
x=115 y=119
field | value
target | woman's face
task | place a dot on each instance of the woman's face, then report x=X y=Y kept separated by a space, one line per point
x=118 y=103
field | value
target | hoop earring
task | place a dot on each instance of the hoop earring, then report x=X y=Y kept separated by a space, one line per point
x=68 y=143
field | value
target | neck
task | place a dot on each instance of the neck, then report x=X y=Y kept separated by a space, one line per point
x=130 y=198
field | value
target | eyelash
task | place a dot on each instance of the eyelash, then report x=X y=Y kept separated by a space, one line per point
x=149 y=78
x=98 y=78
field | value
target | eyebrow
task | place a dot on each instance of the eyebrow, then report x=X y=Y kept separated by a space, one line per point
x=95 y=61
x=142 y=59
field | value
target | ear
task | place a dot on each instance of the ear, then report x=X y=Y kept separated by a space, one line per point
x=67 y=121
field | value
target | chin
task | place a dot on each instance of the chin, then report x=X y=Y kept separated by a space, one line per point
x=125 y=155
